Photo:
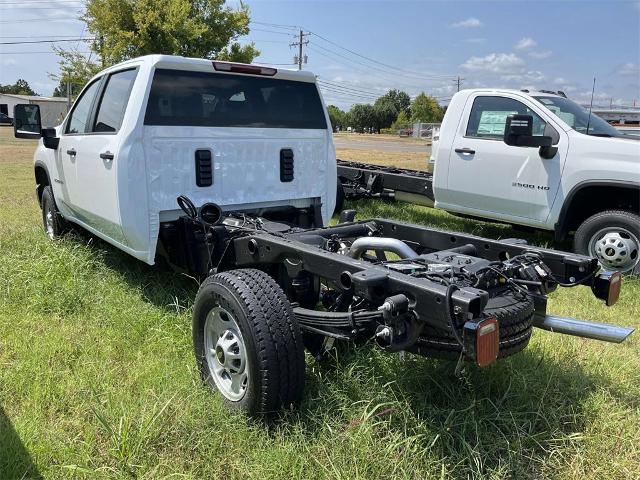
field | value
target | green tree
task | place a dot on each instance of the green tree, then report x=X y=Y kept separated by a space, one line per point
x=125 y=29
x=386 y=112
x=363 y=117
x=426 y=109
x=21 y=87
x=400 y=100
x=401 y=122
x=337 y=117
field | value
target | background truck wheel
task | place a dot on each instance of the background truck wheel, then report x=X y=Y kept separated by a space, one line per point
x=514 y=313
x=247 y=341
x=613 y=237
x=54 y=225
x=339 y=198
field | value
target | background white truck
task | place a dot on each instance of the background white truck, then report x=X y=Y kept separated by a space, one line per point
x=535 y=159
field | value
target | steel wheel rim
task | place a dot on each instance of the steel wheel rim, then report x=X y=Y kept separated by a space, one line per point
x=226 y=354
x=48 y=223
x=616 y=248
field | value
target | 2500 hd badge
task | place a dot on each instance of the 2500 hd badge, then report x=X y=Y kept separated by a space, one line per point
x=528 y=185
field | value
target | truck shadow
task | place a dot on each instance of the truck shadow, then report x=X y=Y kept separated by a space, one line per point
x=15 y=461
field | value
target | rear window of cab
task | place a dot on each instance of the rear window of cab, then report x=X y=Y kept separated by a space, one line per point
x=201 y=99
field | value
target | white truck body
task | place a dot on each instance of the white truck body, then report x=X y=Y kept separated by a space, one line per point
x=124 y=197
x=515 y=184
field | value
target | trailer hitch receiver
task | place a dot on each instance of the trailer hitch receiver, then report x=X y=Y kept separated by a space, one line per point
x=606 y=286
x=482 y=340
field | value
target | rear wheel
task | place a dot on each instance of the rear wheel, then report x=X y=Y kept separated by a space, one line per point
x=247 y=342
x=613 y=237
x=53 y=223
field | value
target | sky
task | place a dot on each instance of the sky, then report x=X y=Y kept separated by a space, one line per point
x=361 y=48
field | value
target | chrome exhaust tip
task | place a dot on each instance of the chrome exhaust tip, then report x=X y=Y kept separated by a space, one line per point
x=583 y=328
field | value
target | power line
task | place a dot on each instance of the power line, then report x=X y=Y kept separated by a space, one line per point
x=47 y=41
x=271 y=31
x=337 y=85
x=276 y=25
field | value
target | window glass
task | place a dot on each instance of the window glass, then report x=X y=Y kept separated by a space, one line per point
x=79 y=120
x=577 y=117
x=488 y=117
x=114 y=101
x=222 y=100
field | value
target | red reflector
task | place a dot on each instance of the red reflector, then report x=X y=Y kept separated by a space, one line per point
x=487 y=341
x=615 y=282
x=242 y=68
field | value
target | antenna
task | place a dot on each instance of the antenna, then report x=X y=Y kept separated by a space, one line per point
x=591 y=104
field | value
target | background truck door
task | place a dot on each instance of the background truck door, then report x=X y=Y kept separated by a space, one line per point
x=489 y=177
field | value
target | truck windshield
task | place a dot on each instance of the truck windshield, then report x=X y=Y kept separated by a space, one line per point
x=577 y=117
x=200 y=99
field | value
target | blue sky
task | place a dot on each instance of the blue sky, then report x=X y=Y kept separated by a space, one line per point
x=420 y=45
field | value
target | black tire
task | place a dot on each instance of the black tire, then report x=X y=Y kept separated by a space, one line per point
x=53 y=223
x=514 y=314
x=627 y=222
x=272 y=338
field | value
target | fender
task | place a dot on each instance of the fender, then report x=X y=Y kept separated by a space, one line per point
x=39 y=185
x=561 y=226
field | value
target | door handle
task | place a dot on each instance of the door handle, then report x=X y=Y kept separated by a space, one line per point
x=106 y=155
x=465 y=150
x=71 y=152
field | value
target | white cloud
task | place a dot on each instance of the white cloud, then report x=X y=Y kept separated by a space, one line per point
x=629 y=69
x=503 y=63
x=475 y=40
x=559 y=81
x=529 y=76
x=540 y=55
x=8 y=62
x=470 y=22
x=526 y=43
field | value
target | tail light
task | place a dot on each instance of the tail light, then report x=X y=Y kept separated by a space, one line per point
x=606 y=286
x=482 y=340
x=243 y=68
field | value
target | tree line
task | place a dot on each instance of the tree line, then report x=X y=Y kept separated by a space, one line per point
x=393 y=110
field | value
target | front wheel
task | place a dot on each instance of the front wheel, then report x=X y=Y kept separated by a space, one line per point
x=247 y=342
x=53 y=223
x=613 y=237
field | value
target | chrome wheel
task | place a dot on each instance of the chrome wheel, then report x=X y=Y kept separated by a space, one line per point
x=615 y=248
x=48 y=223
x=225 y=353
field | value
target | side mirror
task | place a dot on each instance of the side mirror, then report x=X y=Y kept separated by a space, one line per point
x=519 y=133
x=49 y=138
x=26 y=121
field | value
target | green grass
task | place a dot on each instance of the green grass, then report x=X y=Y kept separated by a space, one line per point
x=97 y=380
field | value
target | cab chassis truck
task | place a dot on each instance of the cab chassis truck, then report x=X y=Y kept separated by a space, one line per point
x=241 y=198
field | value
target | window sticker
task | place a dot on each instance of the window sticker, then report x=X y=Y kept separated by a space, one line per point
x=493 y=122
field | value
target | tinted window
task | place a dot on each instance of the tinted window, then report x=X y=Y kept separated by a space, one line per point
x=114 y=101
x=488 y=117
x=79 y=120
x=222 y=100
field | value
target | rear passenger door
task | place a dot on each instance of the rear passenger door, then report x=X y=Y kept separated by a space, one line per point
x=96 y=157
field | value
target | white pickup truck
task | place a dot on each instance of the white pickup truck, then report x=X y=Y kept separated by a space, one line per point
x=535 y=159
x=228 y=171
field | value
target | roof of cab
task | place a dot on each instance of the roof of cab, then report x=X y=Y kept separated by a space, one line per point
x=205 y=65
x=533 y=93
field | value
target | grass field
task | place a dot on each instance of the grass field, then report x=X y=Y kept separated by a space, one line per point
x=97 y=380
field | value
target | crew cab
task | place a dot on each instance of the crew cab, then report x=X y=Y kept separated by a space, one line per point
x=228 y=171
x=534 y=159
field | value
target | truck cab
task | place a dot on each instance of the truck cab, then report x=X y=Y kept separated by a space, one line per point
x=143 y=132
x=574 y=174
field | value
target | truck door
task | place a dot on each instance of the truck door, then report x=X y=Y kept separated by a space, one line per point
x=490 y=178
x=95 y=196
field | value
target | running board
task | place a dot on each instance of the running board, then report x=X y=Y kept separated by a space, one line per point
x=583 y=328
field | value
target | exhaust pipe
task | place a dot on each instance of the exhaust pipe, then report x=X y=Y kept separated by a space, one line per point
x=583 y=328
x=361 y=245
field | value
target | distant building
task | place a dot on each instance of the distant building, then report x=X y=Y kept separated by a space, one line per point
x=618 y=115
x=52 y=109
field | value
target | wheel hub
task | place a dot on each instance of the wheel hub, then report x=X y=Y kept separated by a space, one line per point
x=225 y=353
x=49 y=223
x=616 y=249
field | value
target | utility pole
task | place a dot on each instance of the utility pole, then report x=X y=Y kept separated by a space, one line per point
x=299 y=59
x=68 y=96
x=458 y=82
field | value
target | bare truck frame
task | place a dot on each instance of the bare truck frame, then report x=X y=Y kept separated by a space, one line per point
x=273 y=288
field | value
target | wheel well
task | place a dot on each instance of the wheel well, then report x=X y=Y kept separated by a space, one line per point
x=42 y=180
x=590 y=200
